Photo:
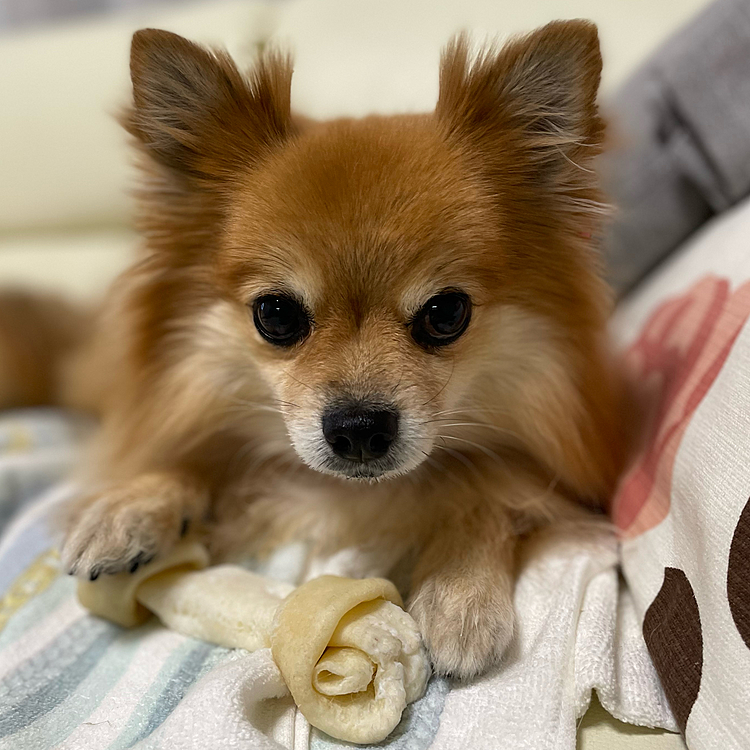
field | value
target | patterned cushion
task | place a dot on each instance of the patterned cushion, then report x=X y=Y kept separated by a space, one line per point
x=682 y=510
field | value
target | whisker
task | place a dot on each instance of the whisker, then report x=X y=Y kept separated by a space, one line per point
x=453 y=369
x=297 y=380
x=459 y=457
x=478 y=446
x=444 y=469
x=468 y=411
x=287 y=403
x=235 y=412
x=240 y=402
x=496 y=428
x=252 y=407
x=395 y=388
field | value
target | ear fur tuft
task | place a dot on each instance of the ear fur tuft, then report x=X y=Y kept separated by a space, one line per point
x=541 y=86
x=196 y=114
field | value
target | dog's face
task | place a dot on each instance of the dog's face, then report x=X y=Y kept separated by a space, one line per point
x=382 y=275
x=367 y=259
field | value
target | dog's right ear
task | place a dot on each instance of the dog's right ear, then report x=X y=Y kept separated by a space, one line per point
x=193 y=111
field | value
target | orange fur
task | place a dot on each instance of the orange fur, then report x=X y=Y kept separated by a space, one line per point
x=36 y=333
x=509 y=427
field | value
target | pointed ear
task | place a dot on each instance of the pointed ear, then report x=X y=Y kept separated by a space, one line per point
x=194 y=112
x=540 y=88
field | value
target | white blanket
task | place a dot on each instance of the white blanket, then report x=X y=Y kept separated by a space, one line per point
x=69 y=680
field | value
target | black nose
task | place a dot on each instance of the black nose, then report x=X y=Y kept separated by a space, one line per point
x=358 y=434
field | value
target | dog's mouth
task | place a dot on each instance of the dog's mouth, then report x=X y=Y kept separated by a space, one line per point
x=366 y=471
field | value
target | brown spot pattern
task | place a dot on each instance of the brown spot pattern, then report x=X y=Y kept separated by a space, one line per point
x=738 y=575
x=672 y=631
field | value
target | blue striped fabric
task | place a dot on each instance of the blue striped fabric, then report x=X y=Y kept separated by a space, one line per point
x=74 y=682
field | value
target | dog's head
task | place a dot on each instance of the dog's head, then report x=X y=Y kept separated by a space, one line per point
x=384 y=276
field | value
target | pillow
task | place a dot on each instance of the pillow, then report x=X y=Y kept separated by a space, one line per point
x=682 y=509
x=681 y=137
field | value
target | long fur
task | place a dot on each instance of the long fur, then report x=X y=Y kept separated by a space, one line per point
x=206 y=425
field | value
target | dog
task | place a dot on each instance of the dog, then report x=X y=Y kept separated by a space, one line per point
x=386 y=333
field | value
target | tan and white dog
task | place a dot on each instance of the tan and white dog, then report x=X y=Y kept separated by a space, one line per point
x=386 y=332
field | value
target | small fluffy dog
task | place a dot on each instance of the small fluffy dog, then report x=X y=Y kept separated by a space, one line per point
x=386 y=332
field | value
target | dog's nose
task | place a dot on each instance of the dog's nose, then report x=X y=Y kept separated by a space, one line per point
x=360 y=434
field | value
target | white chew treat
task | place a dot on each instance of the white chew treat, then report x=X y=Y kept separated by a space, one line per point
x=225 y=605
x=341 y=671
x=351 y=657
x=115 y=597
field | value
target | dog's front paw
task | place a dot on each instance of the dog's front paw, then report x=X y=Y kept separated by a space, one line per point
x=126 y=525
x=466 y=625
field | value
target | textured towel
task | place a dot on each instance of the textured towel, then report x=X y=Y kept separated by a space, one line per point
x=69 y=680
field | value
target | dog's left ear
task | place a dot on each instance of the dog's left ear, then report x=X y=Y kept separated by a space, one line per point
x=539 y=92
x=196 y=114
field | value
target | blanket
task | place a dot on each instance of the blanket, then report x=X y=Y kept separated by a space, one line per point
x=71 y=681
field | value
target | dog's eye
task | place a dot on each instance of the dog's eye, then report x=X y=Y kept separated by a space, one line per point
x=281 y=320
x=442 y=320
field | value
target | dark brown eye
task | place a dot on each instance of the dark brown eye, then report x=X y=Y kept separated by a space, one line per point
x=442 y=319
x=280 y=319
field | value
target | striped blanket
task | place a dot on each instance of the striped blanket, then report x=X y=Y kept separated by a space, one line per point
x=69 y=680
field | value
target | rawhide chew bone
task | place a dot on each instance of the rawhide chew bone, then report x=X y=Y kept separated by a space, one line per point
x=117 y=598
x=351 y=657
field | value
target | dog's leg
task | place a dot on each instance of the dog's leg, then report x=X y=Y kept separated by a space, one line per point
x=124 y=525
x=462 y=592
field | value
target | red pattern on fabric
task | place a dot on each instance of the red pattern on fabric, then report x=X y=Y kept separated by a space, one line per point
x=675 y=361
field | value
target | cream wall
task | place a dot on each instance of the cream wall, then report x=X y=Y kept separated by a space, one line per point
x=64 y=169
x=62 y=155
x=63 y=163
x=362 y=55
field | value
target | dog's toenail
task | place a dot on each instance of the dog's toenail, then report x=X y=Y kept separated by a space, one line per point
x=138 y=560
x=94 y=575
x=185 y=526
